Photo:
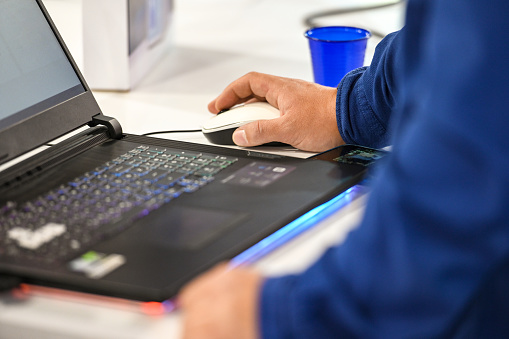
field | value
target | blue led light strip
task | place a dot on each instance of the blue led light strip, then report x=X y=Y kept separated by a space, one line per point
x=294 y=228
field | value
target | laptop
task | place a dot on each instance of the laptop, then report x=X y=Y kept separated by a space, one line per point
x=117 y=214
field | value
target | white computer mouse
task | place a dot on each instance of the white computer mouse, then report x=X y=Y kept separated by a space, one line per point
x=219 y=129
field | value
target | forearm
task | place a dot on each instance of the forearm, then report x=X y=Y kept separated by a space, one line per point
x=366 y=97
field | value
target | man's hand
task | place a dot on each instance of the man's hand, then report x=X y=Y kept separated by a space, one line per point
x=222 y=304
x=308 y=110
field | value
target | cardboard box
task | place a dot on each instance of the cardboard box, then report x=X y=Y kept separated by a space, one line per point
x=123 y=40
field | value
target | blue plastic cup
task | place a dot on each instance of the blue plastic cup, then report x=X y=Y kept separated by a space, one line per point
x=335 y=51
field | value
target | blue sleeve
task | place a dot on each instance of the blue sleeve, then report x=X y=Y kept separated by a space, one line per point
x=431 y=257
x=366 y=97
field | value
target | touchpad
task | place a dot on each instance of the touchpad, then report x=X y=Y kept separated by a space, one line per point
x=191 y=228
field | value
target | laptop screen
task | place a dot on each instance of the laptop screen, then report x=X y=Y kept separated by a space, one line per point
x=35 y=73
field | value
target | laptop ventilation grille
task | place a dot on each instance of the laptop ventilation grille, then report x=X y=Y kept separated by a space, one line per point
x=52 y=157
x=189 y=146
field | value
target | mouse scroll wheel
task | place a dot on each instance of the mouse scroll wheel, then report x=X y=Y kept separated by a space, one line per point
x=222 y=111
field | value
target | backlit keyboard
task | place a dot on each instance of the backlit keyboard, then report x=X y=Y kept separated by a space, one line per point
x=102 y=202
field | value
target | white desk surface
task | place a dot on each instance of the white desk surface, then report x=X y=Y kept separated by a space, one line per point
x=214 y=42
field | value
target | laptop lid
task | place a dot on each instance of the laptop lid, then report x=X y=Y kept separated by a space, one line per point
x=42 y=93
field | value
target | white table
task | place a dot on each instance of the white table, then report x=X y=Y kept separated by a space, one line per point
x=215 y=42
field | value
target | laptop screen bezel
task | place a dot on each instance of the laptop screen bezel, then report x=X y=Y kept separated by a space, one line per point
x=53 y=122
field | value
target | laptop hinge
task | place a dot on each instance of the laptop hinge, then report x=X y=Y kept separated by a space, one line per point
x=114 y=128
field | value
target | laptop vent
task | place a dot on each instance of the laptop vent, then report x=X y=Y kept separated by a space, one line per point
x=53 y=157
x=198 y=147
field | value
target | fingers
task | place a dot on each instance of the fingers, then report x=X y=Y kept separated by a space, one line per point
x=251 y=86
x=258 y=133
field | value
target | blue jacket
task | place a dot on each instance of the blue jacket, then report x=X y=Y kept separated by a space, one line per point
x=431 y=256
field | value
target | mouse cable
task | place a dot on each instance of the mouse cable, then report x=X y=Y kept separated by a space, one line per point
x=179 y=131
x=309 y=20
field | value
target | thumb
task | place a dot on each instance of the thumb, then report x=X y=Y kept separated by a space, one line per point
x=256 y=133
